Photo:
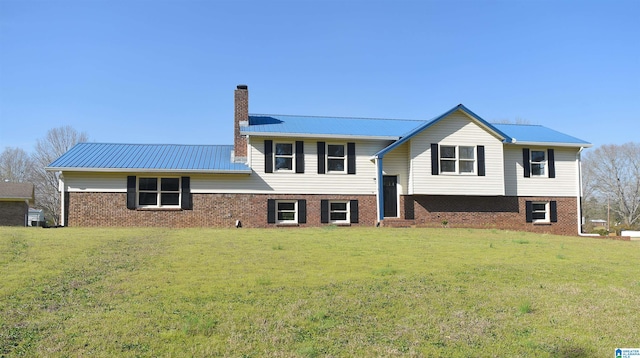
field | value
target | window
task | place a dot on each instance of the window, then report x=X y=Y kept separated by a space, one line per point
x=457 y=159
x=339 y=211
x=287 y=211
x=335 y=158
x=540 y=212
x=283 y=157
x=538 y=163
x=159 y=192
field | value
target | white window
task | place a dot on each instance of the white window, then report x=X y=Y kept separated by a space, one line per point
x=540 y=212
x=159 y=192
x=286 y=211
x=339 y=211
x=457 y=159
x=336 y=158
x=538 y=163
x=283 y=157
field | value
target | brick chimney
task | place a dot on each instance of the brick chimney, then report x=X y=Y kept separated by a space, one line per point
x=241 y=118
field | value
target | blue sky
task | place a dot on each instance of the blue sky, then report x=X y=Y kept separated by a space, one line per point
x=165 y=71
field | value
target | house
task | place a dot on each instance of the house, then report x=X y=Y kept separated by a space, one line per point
x=14 y=203
x=36 y=217
x=313 y=171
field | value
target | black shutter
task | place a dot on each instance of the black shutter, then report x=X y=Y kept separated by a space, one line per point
x=271 y=211
x=434 y=159
x=186 y=202
x=324 y=211
x=526 y=164
x=321 y=158
x=302 y=211
x=553 y=211
x=529 y=211
x=353 y=211
x=551 y=163
x=268 y=156
x=131 y=192
x=299 y=156
x=351 y=158
x=481 y=165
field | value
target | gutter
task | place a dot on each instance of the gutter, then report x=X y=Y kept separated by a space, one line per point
x=146 y=170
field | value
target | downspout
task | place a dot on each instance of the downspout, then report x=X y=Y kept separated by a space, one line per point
x=379 y=191
x=62 y=203
x=579 y=195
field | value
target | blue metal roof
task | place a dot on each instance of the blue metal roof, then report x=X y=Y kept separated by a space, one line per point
x=304 y=126
x=532 y=134
x=149 y=157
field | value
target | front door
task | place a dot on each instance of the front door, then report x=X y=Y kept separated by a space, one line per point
x=390 y=195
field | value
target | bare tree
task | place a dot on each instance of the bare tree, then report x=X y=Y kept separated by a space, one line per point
x=15 y=165
x=57 y=142
x=612 y=173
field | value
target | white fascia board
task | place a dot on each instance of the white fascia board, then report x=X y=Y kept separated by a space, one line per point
x=319 y=135
x=551 y=144
x=147 y=170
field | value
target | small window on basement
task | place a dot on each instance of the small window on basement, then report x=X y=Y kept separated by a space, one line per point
x=283 y=157
x=339 y=211
x=287 y=211
x=540 y=212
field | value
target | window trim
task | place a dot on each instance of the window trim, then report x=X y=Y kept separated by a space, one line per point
x=159 y=193
x=295 y=211
x=292 y=156
x=546 y=211
x=329 y=157
x=545 y=163
x=347 y=211
x=456 y=159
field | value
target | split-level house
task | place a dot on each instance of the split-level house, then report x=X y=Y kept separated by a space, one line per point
x=456 y=170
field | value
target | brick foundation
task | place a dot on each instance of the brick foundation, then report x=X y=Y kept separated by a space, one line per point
x=222 y=210
x=209 y=210
x=506 y=213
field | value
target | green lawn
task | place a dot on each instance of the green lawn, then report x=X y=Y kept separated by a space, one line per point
x=315 y=292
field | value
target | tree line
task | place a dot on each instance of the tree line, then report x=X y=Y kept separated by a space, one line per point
x=16 y=165
x=611 y=185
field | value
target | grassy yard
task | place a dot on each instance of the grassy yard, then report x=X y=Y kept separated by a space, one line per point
x=315 y=293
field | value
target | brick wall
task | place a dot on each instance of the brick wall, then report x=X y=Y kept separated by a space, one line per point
x=506 y=213
x=209 y=210
x=222 y=210
x=13 y=213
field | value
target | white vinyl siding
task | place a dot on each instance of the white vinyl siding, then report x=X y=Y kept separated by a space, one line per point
x=564 y=183
x=456 y=130
x=396 y=162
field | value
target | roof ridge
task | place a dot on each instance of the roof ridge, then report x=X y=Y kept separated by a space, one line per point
x=517 y=124
x=162 y=144
x=337 y=117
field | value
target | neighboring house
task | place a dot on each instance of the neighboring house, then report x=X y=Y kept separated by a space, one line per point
x=313 y=171
x=14 y=203
x=36 y=217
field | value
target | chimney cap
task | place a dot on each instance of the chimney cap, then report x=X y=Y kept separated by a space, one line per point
x=242 y=87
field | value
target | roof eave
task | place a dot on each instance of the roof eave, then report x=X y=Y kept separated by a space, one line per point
x=317 y=135
x=554 y=144
x=149 y=170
